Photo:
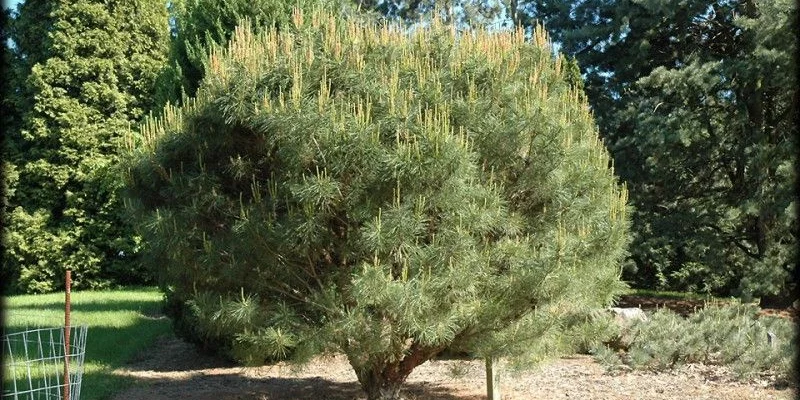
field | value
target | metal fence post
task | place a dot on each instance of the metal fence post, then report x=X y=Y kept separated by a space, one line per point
x=66 y=333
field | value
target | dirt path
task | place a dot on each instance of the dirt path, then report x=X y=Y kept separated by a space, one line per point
x=180 y=372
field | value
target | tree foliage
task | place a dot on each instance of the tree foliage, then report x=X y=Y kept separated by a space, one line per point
x=461 y=12
x=81 y=73
x=698 y=103
x=339 y=186
x=751 y=344
x=201 y=24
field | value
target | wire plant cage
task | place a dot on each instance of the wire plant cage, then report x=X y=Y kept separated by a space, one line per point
x=38 y=364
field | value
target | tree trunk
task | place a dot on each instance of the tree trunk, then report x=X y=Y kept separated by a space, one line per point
x=385 y=381
x=378 y=388
x=513 y=10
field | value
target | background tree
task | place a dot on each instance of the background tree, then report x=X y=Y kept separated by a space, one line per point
x=382 y=193
x=82 y=73
x=460 y=12
x=697 y=101
x=8 y=114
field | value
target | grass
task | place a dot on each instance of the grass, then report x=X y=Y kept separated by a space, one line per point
x=123 y=324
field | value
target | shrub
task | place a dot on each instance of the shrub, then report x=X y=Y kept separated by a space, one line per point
x=733 y=335
x=379 y=192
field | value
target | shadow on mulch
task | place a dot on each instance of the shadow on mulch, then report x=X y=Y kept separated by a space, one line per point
x=232 y=386
x=182 y=372
x=175 y=355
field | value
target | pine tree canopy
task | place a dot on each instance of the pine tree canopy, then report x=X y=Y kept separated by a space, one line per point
x=200 y=24
x=457 y=12
x=338 y=186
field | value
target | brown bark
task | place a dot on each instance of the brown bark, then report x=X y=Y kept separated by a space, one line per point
x=378 y=389
x=384 y=382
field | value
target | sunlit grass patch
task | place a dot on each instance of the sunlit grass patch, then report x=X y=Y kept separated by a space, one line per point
x=122 y=324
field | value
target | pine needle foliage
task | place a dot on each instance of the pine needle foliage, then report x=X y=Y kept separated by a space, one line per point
x=338 y=186
x=735 y=335
x=201 y=24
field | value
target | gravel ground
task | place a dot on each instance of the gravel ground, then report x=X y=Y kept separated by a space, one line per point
x=180 y=372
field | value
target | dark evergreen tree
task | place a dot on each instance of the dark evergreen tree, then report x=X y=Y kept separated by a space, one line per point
x=82 y=73
x=698 y=103
x=9 y=117
x=387 y=194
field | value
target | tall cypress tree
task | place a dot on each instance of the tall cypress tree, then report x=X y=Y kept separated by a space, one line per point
x=83 y=73
x=10 y=121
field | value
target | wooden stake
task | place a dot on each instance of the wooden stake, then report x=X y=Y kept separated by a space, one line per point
x=492 y=380
x=66 y=333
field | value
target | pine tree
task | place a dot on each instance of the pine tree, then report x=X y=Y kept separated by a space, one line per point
x=201 y=24
x=82 y=73
x=698 y=103
x=338 y=186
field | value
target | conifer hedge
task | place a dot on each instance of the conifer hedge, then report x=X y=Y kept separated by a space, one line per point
x=347 y=187
x=81 y=73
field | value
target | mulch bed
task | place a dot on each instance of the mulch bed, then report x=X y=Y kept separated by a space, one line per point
x=176 y=369
x=687 y=307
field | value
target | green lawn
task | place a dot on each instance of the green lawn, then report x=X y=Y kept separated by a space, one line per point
x=122 y=325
